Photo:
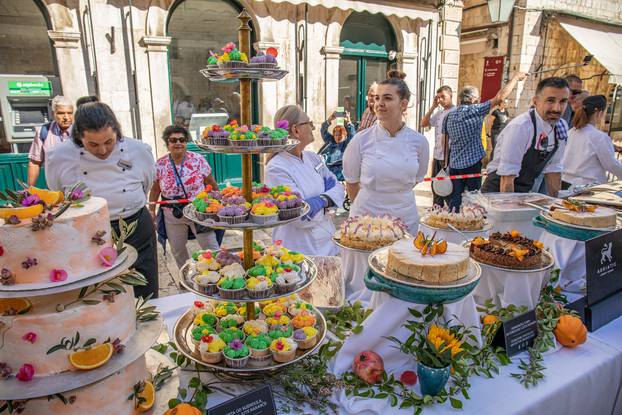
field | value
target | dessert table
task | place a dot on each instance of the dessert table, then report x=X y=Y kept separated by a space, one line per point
x=587 y=379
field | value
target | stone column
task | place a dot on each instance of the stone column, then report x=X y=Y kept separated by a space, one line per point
x=70 y=63
x=159 y=90
x=332 y=54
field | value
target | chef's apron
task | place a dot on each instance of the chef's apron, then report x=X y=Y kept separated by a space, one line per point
x=389 y=194
x=532 y=165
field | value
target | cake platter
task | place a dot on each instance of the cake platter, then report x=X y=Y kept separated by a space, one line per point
x=487 y=226
x=547 y=216
x=308 y=271
x=289 y=144
x=337 y=241
x=250 y=73
x=190 y=212
x=123 y=262
x=146 y=335
x=183 y=340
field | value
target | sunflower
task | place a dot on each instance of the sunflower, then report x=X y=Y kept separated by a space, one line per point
x=442 y=339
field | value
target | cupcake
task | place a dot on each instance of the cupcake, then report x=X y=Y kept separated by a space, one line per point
x=217 y=136
x=223 y=309
x=226 y=257
x=232 y=214
x=280 y=134
x=200 y=331
x=212 y=61
x=280 y=332
x=259 y=346
x=287 y=278
x=280 y=189
x=306 y=337
x=199 y=307
x=261 y=190
x=289 y=300
x=292 y=257
x=211 y=210
x=303 y=319
x=298 y=307
x=264 y=212
x=207 y=262
x=231 y=190
x=206 y=319
x=232 y=58
x=229 y=335
x=211 y=348
x=232 y=288
x=290 y=206
x=234 y=200
x=278 y=321
x=259 y=287
x=263 y=136
x=260 y=271
x=236 y=354
x=268 y=260
x=232 y=270
x=283 y=349
x=271 y=309
x=206 y=283
x=258 y=315
x=255 y=327
x=263 y=61
x=230 y=321
x=243 y=137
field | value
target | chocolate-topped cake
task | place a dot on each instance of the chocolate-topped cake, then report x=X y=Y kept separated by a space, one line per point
x=509 y=250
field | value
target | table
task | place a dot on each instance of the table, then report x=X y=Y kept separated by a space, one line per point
x=585 y=380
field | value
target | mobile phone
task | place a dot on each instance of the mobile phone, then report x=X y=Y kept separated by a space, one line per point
x=340 y=113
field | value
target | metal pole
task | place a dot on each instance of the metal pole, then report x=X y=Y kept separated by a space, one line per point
x=244 y=43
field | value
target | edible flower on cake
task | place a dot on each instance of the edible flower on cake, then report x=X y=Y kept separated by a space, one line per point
x=200 y=331
x=255 y=327
x=264 y=208
x=578 y=206
x=279 y=319
x=212 y=344
x=283 y=344
x=199 y=307
x=229 y=335
x=303 y=319
x=236 y=349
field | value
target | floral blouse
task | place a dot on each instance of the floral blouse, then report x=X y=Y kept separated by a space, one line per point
x=193 y=173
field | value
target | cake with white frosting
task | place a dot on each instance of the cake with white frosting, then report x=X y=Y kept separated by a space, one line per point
x=371 y=232
x=583 y=214
x=470 y=218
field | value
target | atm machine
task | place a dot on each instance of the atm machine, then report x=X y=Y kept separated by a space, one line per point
x=24 y=105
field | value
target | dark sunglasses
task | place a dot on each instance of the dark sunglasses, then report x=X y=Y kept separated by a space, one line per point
x=575 y=91
x=175 y=140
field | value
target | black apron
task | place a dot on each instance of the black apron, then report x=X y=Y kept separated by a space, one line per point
x=532 y=165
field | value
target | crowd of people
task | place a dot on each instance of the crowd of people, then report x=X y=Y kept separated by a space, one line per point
x=377 y=163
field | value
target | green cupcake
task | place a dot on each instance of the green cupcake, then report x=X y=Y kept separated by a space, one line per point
x=202 y=330
x=281 y=332
x=259 y=342
x=209 y=319
x=230 y=334
x=236 y=283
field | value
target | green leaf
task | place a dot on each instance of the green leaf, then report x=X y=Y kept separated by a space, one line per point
x=183 y=392
x=455 y=403
x=89 y=342
x=173 y=403
x=91 y=302
x=83 y=291
x=194 y=382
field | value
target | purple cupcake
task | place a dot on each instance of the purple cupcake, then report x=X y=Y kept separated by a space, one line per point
x=264 y=61
x=234 y=200
x=225 y=257
x=233 y=214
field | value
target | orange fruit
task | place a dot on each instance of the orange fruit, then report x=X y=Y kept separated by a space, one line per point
x=148 y=394
x=419 y=240
x=21 y=212
x=490 y=319
x=441 y=246
x=20 y=305
x=92 y=358
x=514 y=233
x=478 y=241
x=49 y=197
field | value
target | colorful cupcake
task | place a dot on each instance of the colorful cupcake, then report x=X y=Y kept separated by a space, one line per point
x=218 y=136
x=229 y=322
x=255 y=327
x=287 y=278
x=289 y=300
x=258 y=314
x=232 y=58
x=233 y=214
x=229 y=335
x=292 y=257
x=223 y=309
x=232 y=270
x=226 y=257
x=283 y=349
x=211 y=210
x=264 y=212
x=278 y=321
x=268 y=260
x=303 y=319
x=290 y=206
x=281 y=332
x=232 y=288
x=280 y=134
x=260 y=271
x=211 y=348
x=206 y=283
x=200 y=331
x=298 y=307
x=236 y=354
x=212 y=60
x=243 y=137
x=271 y=309
x=259 y=287
x=207 y=262
x=306 y=337
x=263 y=61
x=259 y=346
x=234 y=200
x=199 y=307
x=205 y=319
x=263 y=137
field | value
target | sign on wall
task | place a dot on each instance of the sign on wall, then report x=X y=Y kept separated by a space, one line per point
x=492 y=77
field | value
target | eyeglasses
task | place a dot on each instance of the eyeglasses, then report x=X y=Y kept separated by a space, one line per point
x=575 y=91
x=175 y=140
x=310 y=123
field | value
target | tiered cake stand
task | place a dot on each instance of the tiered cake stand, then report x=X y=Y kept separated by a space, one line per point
x=39 y=387
x=182 y=331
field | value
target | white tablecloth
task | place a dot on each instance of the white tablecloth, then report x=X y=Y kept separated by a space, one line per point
x=450 y=235
x=353 y=269
x=569 y=258
x=585 y=380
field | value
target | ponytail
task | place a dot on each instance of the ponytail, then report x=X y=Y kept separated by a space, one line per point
x=590 y=106
x=580 y=119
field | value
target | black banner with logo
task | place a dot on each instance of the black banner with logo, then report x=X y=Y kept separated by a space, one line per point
x=603 y=261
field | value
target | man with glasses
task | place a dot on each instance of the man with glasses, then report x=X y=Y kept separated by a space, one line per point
x=575 y=84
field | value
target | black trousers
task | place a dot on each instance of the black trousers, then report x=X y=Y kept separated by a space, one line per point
x=144 y=241
x=437 y=165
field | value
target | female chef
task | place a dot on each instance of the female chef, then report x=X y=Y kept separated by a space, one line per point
x=305 y=172
x=116 y=168
x=381 y=166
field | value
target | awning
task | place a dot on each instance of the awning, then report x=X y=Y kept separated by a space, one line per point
x=602 y=41
x=361 y=6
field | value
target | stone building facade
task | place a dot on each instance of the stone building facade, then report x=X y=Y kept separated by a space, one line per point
x=128 y=51
x=547 y=34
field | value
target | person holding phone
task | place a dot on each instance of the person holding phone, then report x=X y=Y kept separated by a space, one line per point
x=335 y=143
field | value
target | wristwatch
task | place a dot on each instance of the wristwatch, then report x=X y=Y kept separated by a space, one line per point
x=326 y=200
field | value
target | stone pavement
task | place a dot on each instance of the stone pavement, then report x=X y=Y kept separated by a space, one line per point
x=168 y=271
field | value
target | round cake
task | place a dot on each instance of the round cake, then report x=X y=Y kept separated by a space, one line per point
x=509 y=250
x=470 y=218
x=371 y=232
x=581 y=214
x=70 y=243
x=408 y=261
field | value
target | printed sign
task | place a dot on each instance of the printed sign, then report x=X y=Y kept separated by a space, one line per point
x=30 y=88
x=256 y=402
x=517 y=334
x=603 y=262
x=492 y=77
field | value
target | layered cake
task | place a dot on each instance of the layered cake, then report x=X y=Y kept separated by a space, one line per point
x=509 y=250
x=470 y=218
x=371 y=232
x=583 y=214
x=426 y=259
x=61 y=243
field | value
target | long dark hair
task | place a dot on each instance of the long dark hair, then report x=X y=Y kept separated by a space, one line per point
x=94 y=116
x=588 y=107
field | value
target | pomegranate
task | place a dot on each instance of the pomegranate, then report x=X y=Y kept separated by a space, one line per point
x=368 y=366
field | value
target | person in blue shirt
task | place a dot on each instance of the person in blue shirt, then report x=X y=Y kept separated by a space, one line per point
x=335 y=144
x=462 y=129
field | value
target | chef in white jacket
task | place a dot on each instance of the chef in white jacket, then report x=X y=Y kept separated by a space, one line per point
x=305 y=172
x=116 y=168
x=382 y=165
x=590 y=153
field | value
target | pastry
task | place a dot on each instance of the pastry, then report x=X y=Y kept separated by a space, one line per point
x=509 y=250
x=583 y=214
x=470 y=218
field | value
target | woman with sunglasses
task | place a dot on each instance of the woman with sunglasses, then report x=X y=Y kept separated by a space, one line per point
x=590 y=153
x=305 y=172
x=381 y=166
x=180 y=174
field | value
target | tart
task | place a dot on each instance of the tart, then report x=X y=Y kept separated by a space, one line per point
x=508 y=250
x=583 y=214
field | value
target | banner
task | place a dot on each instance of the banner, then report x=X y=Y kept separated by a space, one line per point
x=492 y=77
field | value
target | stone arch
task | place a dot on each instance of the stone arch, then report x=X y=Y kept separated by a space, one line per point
x=57 y=14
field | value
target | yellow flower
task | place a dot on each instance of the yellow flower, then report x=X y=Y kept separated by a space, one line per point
x=442 y=340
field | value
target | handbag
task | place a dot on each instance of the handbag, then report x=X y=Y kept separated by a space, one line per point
x=442 y=188
x=178 y=208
